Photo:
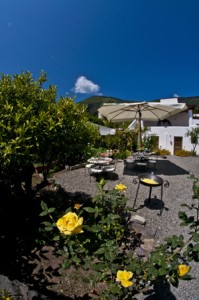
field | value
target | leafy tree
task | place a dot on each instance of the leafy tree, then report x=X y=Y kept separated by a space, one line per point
x=193 y=134
x=22 y=101
x=75 y=132
x=36 y=128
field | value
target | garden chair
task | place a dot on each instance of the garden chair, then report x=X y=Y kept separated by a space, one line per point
x=95 y=171
x=87 y=169
x=141 y=163
x=152 y=161
x=111 y=168
x=130 y=163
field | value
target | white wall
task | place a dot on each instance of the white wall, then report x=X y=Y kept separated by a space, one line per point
x=181 y=119
x=180 y=124
x=167 y=134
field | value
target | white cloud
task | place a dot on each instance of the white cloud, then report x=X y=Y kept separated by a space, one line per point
x=176 y=95
x=85 y=86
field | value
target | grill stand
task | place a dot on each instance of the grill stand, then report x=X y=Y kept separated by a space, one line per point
x=161 y=183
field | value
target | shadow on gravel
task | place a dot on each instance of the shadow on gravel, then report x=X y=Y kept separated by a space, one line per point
x=161 y=291
x=164 y=167
x=153 y=204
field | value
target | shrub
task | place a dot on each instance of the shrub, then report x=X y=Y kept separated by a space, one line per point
x=162 y=152
x=183 y=153
x=123 y=154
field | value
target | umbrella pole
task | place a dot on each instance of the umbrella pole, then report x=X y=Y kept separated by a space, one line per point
x=140 y=129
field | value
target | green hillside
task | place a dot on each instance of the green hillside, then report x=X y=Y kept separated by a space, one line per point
x=95 y=102
x=192 y=102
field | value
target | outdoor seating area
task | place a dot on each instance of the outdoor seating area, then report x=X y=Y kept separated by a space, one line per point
x=174 y=169
x=142 y=160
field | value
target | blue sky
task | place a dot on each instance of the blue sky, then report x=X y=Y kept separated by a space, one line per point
x=128 y=49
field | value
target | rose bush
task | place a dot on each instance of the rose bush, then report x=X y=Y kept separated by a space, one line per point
x=106 y=245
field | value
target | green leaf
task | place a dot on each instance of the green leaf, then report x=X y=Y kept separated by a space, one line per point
x=110 y=243
x=196 y=248
x=76 y=259
x=89 y=209
x=48 y=228
x=174 y=281
x=109 y=255
x=195 y=237
x=46 y=224
x=162 y=271
x=44 y=213
x=100 y=251
x=66 y=264
x=99 y=266
x=86 y=280
x=183 y=224
x=52 y=209
x=44 y=205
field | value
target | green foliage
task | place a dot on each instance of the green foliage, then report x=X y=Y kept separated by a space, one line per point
x=75 y=133
x=91 y=151
x=35 y=128
x=123 y=140
x=107 y=244
x=103 y=228
x=183 y=153
x=162 y=152
x=123 y=154
x=149 y=142
x=193 y=134
x=24 y=116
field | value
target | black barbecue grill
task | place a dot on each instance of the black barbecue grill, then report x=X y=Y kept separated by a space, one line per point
x=150 y=180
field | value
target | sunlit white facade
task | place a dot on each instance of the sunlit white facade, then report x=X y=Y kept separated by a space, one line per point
x=172 y=134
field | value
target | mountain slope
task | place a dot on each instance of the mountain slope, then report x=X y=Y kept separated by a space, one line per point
x=95 y=102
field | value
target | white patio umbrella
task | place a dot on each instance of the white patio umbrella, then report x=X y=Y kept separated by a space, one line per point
x=148 y=111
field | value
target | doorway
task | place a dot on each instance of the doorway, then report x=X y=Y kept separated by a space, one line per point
x=177 y=143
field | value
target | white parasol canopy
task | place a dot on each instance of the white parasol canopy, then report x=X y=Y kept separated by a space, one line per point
x=148 y=111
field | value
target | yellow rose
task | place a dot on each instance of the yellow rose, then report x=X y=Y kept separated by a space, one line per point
x=70 y=224
x=123 y=277
x=120 y=187
x=77 y=206
x=183 y=269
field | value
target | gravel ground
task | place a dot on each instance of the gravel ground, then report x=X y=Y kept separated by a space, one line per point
x=176 y=171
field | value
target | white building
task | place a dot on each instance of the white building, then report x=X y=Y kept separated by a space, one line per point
x=172 y=132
